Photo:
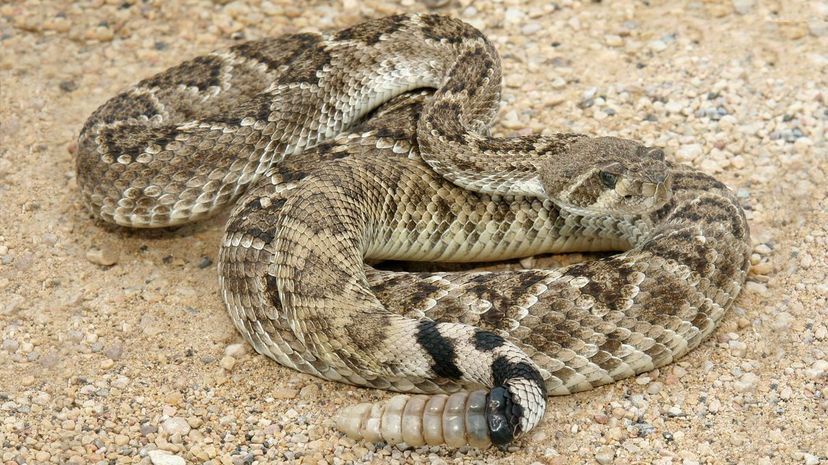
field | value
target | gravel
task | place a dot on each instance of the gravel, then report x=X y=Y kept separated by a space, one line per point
x=115 y=346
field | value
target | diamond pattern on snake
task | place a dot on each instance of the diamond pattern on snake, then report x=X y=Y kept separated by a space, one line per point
x=372 y=143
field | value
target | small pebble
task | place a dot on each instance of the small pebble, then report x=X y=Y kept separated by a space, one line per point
x=227 y=362
x=235 y=350
x=747 y=383
x=605 y=455
x=147 y=428
x=743 y=7
x=175 y=425
x=68 y=86
x=114 y=351
x=284 y=393
x=105 y=256
x=613 y=40
x=689 y=152
x=654 y=388
x=309 y=392
x=818 y=370
x=160 y=457
x=41 y=398
x=657 y=45
x=10 y=345
x=818 y=27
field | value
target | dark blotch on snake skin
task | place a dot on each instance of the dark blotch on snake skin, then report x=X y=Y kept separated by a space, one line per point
x=277 y=53
x=449 y=30
x=371 y=33
x=503 y=369
x=190 y=74
x=136 y=142
x=264 y=236
x=439 y=348
x=486 y=341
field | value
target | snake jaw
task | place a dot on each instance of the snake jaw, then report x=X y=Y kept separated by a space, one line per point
x=503 y=416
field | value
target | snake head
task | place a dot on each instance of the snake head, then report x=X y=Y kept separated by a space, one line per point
x=608 y=175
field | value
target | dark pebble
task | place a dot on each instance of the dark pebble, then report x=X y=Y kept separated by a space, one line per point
x=147 y=428
x=205 y=262
x=114 y=351
x=68 y=86
x=644 y=429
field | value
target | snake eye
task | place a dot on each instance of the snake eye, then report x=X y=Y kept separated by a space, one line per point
x=608 y=179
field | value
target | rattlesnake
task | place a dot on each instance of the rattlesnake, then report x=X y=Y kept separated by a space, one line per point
x=375 y=170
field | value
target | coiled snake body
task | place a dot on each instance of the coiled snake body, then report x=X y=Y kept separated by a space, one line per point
x=330 y=160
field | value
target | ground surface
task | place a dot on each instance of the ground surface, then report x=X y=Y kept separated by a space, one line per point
x=107 y=363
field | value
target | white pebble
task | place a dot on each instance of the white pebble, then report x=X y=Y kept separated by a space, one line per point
x=782 y=322
x=175 y=425
x=227 y=362
x=613 y=40
x=605 y=455
x=743 y=7
x=41 y=398
x=674 y=106
x=818 y=27
x=818 y=370
x=762 y=249
x=658 y=45
x=235 y=350
x=531 y=28
x=161 y=457
x=738 y=348
x=688 y=152
x=756 y=288
x=513 y=15
x=747 y=383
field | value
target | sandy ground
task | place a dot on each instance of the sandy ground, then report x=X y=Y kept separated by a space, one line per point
x=105 y=364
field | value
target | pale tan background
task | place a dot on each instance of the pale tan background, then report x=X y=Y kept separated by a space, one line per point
x=106 y=363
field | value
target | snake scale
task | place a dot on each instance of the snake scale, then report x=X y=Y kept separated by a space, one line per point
x=372 y=143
